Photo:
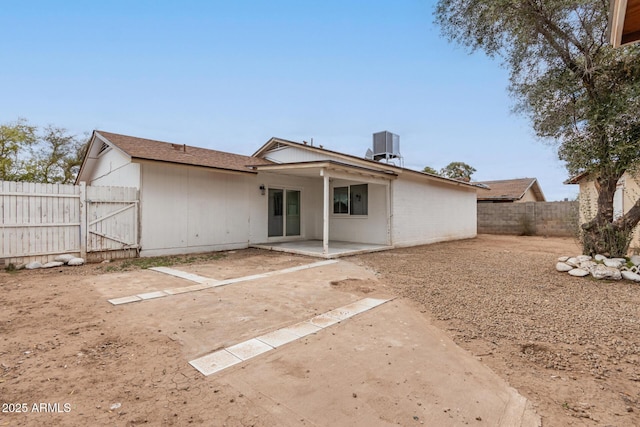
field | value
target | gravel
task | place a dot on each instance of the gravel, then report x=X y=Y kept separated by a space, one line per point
x=501 y=298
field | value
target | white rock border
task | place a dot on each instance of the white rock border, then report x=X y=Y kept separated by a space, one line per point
x=600 y=267
x=59 y=261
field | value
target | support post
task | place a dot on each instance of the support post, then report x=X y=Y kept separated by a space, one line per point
x=325 y=214
x=388 y=212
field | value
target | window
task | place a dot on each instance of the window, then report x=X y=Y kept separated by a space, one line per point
x=341 y=200
x=351 y=200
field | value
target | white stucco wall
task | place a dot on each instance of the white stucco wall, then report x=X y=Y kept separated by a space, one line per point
x=427 y=212
x=115 y=169
x=371 y=228
x=296 y=154
x=185 y=209
x=310 y=209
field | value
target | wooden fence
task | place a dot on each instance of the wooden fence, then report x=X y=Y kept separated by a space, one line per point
x=40 y=221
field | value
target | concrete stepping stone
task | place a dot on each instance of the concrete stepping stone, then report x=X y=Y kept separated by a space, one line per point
x=278 y=338
x=248 y=349
x=214 y=362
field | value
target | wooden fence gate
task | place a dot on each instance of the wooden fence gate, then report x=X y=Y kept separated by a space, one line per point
x=40 y=221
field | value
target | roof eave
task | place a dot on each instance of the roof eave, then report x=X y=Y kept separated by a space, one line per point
x=229 y=170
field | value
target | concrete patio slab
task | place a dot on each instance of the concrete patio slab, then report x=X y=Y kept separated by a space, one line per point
x=314 y=248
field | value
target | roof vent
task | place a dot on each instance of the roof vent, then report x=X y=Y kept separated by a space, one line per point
x=104 y=147
x=386 y=147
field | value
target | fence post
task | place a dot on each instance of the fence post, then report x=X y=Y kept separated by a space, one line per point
x=83 y=220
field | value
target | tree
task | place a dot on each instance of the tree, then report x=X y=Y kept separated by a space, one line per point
x=15 y=139
x=56 y=158
x=429 y=169
x=577 y=91
x=49 y=156
x=457 y=170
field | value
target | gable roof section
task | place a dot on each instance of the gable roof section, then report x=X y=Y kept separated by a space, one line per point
x=274 y=143
x=148 y=149
x=511 y=189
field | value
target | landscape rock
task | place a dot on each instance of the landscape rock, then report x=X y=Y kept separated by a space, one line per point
x=64 y=258
x=563 y=258
x=33 y=265
x=583 y=258
x=635 y=260
x=603 y=272
x=561 y=266
x=629 y=275
x=600 y=257
x=76 y=261
x=578 y=272
x=588 y=265
x=53 y=264
x=573 y=262
x=613 y=263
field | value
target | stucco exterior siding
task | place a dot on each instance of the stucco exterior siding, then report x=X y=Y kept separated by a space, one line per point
x=187 y=210
x=310 y=207
x=431 y=213
x=372 y=228
x=529 y=196
x=630 y=194
x=295 y=155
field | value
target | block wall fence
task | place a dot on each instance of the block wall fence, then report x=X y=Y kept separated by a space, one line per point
x=558 y=219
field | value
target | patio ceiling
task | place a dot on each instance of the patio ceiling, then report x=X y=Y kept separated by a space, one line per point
x=624 y=22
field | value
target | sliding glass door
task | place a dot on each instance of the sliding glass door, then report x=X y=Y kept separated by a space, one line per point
x=284 y=222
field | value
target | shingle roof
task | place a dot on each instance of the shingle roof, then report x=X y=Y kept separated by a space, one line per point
x=148 y=149
x=511 y=189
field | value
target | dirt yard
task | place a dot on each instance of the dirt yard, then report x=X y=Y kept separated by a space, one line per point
x=570 y=345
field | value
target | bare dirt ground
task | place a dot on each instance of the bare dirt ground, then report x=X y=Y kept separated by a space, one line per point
x=570 y=345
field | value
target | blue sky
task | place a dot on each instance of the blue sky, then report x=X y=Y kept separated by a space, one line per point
x=229 y=75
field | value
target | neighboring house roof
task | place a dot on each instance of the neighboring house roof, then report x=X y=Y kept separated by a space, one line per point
x=511 y=189
x=624 y=22
x=576 y=179
x=148 y=149
x=274 y=143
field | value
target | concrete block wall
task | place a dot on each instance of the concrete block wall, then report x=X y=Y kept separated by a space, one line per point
x=530 y=218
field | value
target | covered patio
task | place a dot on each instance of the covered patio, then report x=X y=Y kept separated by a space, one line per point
x=347 y=211
x=336 y=249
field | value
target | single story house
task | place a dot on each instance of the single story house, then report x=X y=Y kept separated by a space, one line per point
x=286 y=196
x=624 y=22
x=511 y=191
x=626 y=195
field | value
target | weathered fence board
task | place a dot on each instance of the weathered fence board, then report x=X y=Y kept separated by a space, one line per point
x=39 y=221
